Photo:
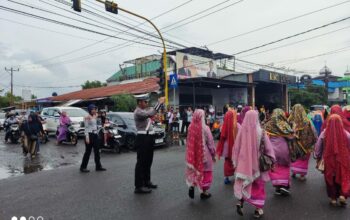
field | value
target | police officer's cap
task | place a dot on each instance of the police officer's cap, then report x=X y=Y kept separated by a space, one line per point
x=142 y=97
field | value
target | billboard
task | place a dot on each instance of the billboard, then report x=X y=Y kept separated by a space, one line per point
x=189 y=66
x=26 y=94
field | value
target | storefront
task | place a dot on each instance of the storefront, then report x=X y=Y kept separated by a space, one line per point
x=205 y=92
x=272 y=89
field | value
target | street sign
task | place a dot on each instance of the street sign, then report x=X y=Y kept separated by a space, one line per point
x=173 y=81
x=26 y=94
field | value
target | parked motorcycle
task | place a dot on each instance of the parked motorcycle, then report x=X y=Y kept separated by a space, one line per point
x=71 y=135
x=113 y=138
x=14 y=132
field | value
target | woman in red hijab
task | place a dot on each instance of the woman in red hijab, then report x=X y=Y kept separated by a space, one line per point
x=227 y=140
x=333 y=146
x=336 y=109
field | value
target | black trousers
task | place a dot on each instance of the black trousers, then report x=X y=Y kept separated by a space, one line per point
x=183 y=126
x=144 y=144
x=88 y=148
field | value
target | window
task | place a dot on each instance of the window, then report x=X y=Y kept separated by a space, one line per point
x=45 y=112
x=50 y=112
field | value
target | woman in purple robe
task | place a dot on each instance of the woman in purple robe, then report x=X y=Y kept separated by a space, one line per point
x=63 y=128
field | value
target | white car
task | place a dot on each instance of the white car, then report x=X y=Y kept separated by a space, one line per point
x=2 y=120
x=52 y=114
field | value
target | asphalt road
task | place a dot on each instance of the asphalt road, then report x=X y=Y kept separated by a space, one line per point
x=64 y=193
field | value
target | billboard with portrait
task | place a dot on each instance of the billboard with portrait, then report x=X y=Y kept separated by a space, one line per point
x=189 y=66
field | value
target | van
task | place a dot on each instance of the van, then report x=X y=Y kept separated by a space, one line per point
x=52 y=114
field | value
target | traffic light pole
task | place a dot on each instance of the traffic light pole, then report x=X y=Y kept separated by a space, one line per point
x=164 y=49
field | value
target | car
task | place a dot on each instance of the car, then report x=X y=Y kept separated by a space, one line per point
x=127 y=129
x=2 y=120
x=52 y=114
x=318 y=107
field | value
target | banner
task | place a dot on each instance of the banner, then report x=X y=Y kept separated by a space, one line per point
x=189 y=66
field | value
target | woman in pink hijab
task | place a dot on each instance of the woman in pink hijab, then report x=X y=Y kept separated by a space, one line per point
x=249 y=181
x=241 y=115
x=200 y=155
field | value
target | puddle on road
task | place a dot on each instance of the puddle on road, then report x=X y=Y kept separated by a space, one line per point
x=25 y=165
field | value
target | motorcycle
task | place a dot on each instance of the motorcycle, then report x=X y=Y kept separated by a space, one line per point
x=71 y=135
x=113 y=138
x=14 y=132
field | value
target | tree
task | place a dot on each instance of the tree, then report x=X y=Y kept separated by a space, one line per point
x=124 y=103
x=311 y=95
x=6 y=99
x=34 y=97
x=93 y=84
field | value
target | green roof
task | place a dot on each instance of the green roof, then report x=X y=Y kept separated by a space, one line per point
x=131 y=72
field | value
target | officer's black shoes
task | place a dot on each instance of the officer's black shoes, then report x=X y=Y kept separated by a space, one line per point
x=84 y=170
x=101 y=169
x=191 y=192
x=142 y=190
x=150 y=185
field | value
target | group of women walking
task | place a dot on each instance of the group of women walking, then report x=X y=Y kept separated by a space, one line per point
x=278 y=150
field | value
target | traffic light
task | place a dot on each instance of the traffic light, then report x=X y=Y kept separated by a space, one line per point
x=77 y=5
x=161 y=77
x=111 y=7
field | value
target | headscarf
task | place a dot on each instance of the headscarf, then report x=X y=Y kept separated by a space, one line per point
x=242 y=114
x=195 y=149
x=305 y=137
x=228 y=133
x=64 y=120
x=317 y=122
x=336 y=154
x=246 y=153
x=278 y=124
x=346 y=112
x=336 y=109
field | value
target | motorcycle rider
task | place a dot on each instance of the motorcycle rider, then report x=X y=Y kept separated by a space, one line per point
x=63 y=127
x=9 y=121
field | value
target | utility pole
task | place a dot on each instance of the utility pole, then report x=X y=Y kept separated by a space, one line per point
x=326 y=72
x=11 y=70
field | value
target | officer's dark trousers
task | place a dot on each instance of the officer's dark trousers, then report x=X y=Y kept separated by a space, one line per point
x=88 y=148
x=144 y=145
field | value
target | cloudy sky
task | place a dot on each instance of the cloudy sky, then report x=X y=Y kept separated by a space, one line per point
x=53 y=55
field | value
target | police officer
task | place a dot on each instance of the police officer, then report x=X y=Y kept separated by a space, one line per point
x=144 y=143
x=91 y=140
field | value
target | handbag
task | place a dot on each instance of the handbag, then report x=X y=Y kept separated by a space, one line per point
x=265 y=161
x=320 y=165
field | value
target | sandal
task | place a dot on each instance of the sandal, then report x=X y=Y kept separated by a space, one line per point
x=342 y=201
x=239 y=207
x=205 y=195
x=333 y=203
x=191 y=192
x=258 y=213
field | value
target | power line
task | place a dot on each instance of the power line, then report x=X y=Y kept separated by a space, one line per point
x=293 y=43
x=81 y=21
x=48 y=87
x=294 y=35
x=87 y=46
x=48 y=30
x=292 y=61
x=277 y=23
x=204 y=16
x=68 y=25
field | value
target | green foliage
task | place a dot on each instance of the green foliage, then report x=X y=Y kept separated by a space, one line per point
x=124 y=103
x=93 y=84
x=6 y=99
x=34 y=96
x=311 y=95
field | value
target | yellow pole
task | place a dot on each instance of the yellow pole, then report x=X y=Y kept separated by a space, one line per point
x=164 y=49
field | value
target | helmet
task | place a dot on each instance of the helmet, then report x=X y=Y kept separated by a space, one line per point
x=91 y=107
